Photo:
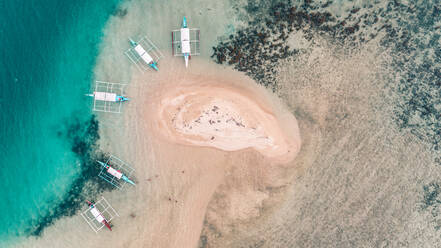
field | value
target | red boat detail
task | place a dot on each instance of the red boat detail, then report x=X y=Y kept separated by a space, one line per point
x=107 y=224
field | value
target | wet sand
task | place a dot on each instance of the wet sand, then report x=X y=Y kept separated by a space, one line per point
x=178 y=182
x=189 y=166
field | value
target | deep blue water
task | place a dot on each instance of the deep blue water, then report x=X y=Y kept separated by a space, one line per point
x=48 y=51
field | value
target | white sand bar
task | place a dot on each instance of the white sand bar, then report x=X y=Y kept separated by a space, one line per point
x=204 y=111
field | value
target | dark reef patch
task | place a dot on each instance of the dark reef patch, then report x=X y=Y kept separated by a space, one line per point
x=416 y=46
x=257 y=48
x=120 y=12
x=409 y=33
x=83 y=137
x=432 y=202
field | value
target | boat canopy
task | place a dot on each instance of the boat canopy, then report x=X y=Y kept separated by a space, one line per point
x=105 y=96
x=114 y=173
x=97 y=214
x=185 y=40
x=143 y=54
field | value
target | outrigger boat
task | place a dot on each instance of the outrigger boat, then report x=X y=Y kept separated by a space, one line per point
x=97 y=215
x=116 y=173
x=185 y=41
x=143 y=54
x=108 y=97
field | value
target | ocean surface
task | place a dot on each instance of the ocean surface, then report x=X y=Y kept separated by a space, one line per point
x=48 y=51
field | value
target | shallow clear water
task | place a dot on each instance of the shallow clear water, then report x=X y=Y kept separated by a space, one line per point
x=48 y=52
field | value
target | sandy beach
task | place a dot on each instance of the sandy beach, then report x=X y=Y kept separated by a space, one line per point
x=204 y=110
x=189 y=163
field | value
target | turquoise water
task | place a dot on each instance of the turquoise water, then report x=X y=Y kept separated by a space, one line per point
x=47 y=55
